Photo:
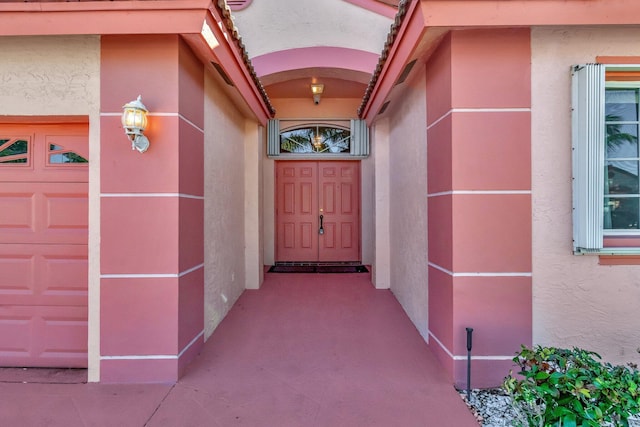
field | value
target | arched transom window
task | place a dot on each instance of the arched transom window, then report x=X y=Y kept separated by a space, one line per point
x=333 y=138
x=315 y=139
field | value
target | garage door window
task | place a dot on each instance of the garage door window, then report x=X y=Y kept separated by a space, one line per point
x=14 y=150
x=59 y=154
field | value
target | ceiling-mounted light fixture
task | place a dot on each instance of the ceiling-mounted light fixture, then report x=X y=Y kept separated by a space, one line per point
x=134 y=122
x=317 y=141
x=316 y=90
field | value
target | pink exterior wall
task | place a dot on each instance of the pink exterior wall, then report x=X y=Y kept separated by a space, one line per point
x=224 y=229
x=152 y=211
x=407 y=205
x=578 y=301
x=479 y=191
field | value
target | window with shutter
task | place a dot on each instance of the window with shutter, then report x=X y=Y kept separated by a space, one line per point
x=606 y=159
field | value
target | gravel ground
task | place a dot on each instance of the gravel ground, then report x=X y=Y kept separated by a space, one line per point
x=492 y=408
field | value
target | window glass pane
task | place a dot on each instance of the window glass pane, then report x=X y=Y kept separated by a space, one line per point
x=297 y=141
x=621 y=213
x=621 y=105
x=622 y=177
x=56 y=157
x=66 y=158
x=14 y=152
x=622 y=141
x=335 y=139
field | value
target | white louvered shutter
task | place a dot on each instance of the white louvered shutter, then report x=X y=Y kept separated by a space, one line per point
x=588 y=135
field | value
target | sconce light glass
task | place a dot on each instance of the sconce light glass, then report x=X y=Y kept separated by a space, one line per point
x=316 y=90
x=134 y=122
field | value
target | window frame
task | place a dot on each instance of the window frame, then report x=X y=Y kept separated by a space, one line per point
x=588 y=122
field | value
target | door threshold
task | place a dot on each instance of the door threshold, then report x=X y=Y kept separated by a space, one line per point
x=315 y=268
x=317 y=263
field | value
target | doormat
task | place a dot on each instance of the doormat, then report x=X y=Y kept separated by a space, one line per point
x=318 y=269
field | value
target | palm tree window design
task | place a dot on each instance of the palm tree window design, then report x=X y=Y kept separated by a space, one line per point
x=622 y=159
x=315 y=139
x=14 y=150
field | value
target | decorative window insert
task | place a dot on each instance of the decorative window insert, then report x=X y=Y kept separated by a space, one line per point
x=336 y=138
x=606 y=158
x=14 y=151
x=236 y=5
x=58 y=154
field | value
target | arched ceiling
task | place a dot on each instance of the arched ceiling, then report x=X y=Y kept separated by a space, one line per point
x=294 y=43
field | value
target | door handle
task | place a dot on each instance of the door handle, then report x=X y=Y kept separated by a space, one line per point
x=321 y=230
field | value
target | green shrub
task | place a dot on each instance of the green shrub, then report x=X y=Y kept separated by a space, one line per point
x=563 y=388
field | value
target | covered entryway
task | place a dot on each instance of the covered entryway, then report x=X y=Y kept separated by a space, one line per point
x=317 y=211
x=43 y=245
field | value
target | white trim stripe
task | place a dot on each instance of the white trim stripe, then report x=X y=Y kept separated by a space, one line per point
x=478 y=110
x=480 y=274
x=191 y=270
x=442 y=346
x=146 y=357
x=438 y=120
x=192 y=124
x=178 y=115
x=152 y=275
x=484 y=357
x=491 y=110
x=479 y=192
x=192 y=342
x=180 y=195
x=446 y=350
x=156 y=356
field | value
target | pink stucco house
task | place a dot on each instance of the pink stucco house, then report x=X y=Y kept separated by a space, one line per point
x=458 y=147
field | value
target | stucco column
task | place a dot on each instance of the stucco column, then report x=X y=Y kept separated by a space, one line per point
x=253 y=230
x=479 y=197
x=152 y=204
x=381 y=274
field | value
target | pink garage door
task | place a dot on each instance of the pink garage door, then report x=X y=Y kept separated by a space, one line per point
x=43 y=245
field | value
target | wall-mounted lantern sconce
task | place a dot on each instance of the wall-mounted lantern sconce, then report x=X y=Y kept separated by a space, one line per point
x=134 y=121
x=316 y=90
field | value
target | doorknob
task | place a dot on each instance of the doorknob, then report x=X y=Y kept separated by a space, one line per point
x=321 y=231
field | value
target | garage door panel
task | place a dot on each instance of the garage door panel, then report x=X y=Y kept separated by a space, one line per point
x=63 y=333
x=43 y=336
x=15 y=329
x=42 y=213
x=44 y=275
x=16 y=211
x=67 y=211
x=17 y=274
x=65 y=278
x=43 y=245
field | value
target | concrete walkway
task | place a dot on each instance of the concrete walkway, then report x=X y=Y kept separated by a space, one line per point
x=308 y=350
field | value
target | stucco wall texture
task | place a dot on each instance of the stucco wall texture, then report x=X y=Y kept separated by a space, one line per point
x=224 y=205
x=576 y=301
x=408 y=204
x=52 y=75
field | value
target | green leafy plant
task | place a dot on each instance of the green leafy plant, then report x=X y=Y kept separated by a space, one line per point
x=568 y=388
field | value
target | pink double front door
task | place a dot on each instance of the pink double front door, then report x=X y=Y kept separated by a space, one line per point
x=317 y=211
